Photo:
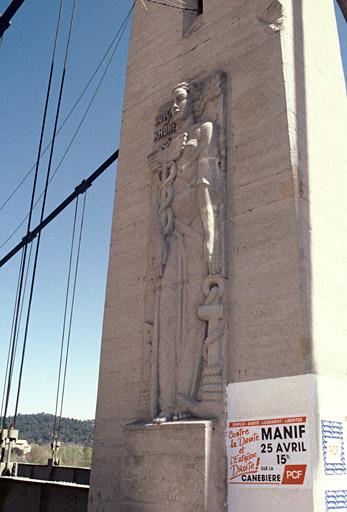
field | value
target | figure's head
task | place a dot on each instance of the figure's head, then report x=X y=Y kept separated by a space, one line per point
x=182 y=102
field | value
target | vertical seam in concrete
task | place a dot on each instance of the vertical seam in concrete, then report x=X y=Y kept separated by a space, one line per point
x=292 y=49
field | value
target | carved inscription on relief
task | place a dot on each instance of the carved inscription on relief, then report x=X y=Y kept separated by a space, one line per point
x=187 y=165
x=165 y=126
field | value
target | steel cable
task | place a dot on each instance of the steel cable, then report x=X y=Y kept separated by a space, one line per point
x=62 y=82
x=61 y=126
x=71 y=314
x=23 y=262
x=65 y=318
x=120 y=33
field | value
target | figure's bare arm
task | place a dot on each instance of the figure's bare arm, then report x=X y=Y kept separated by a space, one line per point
x=208 y=193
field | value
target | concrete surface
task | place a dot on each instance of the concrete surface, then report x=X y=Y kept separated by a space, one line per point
x=285 y=213
x=160 y=461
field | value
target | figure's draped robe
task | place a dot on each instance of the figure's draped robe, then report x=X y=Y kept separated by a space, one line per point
x=180 y=332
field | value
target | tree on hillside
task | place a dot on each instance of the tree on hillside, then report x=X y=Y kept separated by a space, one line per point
x=38 y=428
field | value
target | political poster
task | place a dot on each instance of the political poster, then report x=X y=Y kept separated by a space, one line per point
x=268 y=452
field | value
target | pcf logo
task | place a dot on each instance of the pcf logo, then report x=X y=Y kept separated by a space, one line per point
x=294 y=474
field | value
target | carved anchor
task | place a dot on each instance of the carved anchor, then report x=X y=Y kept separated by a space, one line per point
x=212 y=311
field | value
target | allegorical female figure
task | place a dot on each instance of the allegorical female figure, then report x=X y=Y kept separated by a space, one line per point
x=187 y=249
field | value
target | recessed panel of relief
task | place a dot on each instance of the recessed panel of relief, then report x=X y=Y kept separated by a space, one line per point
x=185 y=317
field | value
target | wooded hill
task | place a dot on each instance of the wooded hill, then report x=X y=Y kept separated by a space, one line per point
x=37 y=428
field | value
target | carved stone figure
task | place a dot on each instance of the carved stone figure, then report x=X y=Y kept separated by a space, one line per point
x=188 y=247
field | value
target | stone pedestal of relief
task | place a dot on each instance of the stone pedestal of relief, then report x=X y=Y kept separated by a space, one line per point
x=283 y=357
x=166 y=467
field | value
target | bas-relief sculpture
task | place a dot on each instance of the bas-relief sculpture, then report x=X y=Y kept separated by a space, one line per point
x=187 y=245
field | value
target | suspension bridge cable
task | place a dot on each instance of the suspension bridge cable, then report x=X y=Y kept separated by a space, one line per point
x=86 y=184
x=5 y=18
x=71 y=314
x=67 y=294
x=15 y=341
x=22 y=268
x=80 y=189
x=43 y=126
x=62 y=81
x=120 y=32
x=10 y=343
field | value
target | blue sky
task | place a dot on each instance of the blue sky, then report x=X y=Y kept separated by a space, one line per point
x=25 y=59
